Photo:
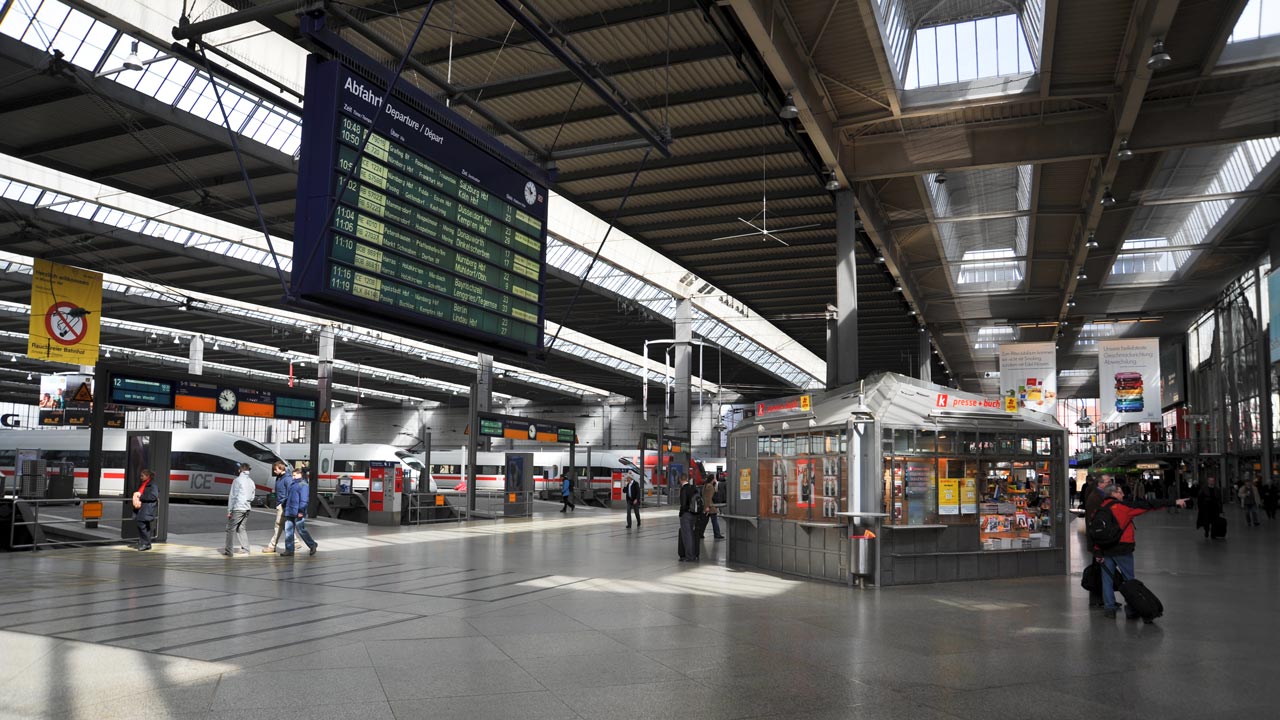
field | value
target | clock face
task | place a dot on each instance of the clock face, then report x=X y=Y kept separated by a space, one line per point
x=533 y=432
x=530 y=192
x=227 y=400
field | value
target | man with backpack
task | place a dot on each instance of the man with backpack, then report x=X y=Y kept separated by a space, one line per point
x=1092 y=499
x=690 y=507
x=1112 y=532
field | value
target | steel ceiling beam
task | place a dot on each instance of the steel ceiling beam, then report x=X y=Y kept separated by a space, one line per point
x=697 y=183
x=706 y=202
x=685 y=97
x=825 y=208
x=677 y=161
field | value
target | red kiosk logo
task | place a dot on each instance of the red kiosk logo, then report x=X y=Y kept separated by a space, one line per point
x=942 y=400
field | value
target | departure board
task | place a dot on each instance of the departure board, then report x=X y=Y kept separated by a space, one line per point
x=433 y=230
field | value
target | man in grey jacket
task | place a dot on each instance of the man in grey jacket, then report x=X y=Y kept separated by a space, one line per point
x=238 y=504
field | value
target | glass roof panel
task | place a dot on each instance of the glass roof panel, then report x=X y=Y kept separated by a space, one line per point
x=1259 y=19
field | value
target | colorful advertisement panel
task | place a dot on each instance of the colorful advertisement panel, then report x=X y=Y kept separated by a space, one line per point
x=1129 y=380
x=1029 y=375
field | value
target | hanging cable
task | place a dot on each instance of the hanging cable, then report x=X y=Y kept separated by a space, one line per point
x=612 y=221
x=244 y=171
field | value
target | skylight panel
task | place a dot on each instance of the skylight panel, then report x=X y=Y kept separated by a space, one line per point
x=970 y=50
x=1259 y=19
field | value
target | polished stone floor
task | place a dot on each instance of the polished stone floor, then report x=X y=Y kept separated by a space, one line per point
x=573 y=616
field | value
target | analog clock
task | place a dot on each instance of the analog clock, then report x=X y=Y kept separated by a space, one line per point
x=530 y=192
x=227 y=400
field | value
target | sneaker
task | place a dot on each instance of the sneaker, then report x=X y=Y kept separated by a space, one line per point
x=224 y=553
x=289 y=554
x=314 y=548
x=719 y=537
x=268 y=549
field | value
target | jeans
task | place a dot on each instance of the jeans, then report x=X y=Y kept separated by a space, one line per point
x=633 y=507
x=715 y=525
x=1109 y=564
x=296 y=525
x=236 y=530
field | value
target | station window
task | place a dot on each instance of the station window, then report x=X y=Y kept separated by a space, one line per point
x=803 y=476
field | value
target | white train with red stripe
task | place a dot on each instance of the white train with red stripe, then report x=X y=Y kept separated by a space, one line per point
x=352 y=460
x=202 y=464
x=606 y=466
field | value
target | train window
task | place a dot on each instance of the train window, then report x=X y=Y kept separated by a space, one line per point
x=490 y=470
x=445 y=469
x=79 y=459
x=324 y=465
x=7 y=458
x=113 y=459
x=350 y=466
x=255 y=451
x=204 y=462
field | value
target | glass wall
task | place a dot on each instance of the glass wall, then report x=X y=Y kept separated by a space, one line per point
x=1002 y=482
x=802 y=476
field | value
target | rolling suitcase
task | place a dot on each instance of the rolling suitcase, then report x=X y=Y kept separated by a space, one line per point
x=1219 y=527
x=1139 y=597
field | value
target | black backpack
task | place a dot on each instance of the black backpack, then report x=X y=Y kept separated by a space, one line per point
x=698 y=506
x=1104 y=530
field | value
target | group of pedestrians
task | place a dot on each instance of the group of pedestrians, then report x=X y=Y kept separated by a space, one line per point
x=697 y=508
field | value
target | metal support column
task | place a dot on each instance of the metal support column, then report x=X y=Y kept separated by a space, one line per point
x=925 y=371
x=195 y=366
x=681 y=420
x=324 y=387
x=1264 y=375
x=101 y=394
x=846 y=332
x=481 y=401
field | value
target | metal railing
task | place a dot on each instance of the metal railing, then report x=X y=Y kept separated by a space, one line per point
x=24 y=508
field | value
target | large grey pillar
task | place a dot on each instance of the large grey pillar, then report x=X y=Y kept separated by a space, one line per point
x=319 y=430
x=925 y=371
x=481 y=401
x=681 y=422
x=195 y=366
x=845 y=357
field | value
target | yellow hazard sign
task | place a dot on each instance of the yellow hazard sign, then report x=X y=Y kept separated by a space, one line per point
x=66 y=312
x=324 y=416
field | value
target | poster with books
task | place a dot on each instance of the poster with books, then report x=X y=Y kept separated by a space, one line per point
x=1129 y=380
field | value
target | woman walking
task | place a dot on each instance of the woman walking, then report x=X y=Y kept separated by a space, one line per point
x=566 y=492
x=1208 y=506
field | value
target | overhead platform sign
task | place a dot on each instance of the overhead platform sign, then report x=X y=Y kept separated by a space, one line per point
x=172 y=393
x=523 y=428
x=439 y=228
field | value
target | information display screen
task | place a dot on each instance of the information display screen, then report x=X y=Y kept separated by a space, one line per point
x=200 y=396
x=432 y=231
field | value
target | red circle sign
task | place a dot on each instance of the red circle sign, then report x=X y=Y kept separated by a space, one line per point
x=63 y=327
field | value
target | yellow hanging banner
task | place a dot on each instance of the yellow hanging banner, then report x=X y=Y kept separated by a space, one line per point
x=66 y=313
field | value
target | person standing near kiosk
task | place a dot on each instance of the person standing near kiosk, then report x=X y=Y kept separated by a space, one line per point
x=145 y=501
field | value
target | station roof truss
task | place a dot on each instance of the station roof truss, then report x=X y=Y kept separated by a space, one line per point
x=158 y=134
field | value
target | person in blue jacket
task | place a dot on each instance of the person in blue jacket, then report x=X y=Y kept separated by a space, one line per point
x=295 y=516
x=566 y=491
x=284 y=479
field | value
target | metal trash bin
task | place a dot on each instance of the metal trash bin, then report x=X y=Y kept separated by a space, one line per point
x=861 y=555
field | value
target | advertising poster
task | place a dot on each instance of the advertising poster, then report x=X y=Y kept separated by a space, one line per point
x=744 y=484
x=1029 y=375
x=1129 y=380
x=68 y=400
x=804 y=483
x=949 y=496
x=968 y=496
x=1273 y=311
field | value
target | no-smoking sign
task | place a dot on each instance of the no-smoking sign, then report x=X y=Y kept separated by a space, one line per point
x=66 y=323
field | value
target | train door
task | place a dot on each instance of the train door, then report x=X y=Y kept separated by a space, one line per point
x=326 y=479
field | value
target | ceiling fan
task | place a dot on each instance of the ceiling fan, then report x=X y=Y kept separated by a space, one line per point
x=762 y=230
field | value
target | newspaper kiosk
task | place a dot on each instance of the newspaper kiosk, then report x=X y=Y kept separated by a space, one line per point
x=946 y=485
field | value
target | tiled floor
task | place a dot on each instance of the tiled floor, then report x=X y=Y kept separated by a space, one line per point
x=573 y=616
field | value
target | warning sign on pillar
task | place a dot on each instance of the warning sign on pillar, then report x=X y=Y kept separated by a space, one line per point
x=66 y=311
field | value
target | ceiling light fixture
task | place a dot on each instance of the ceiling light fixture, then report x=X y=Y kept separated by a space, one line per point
x=941 y=177
x=1092 y=243
x=1081 y=275
x=897 y=288
x=175 y=339
x=28 y=376
x=1071 y=302
x=1124 y=153
x=879 y=259
x=132 y=62
x=1107 y=198
x=1159 y=59
x=788 y=111
x=833 y=183
x=108 y=353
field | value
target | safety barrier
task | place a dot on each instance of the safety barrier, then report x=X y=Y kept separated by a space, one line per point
x=35 y=523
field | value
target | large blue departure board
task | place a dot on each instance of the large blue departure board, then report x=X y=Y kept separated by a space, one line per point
x=434 y=231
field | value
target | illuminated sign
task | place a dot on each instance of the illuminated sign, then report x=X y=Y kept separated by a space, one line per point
x=435 y=230
x=785 y=406
x=208 y=397
x=519 y=428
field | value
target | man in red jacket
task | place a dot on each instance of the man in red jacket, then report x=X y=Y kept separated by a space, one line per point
x=1120 y=555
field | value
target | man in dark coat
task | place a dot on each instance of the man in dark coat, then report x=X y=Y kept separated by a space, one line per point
x=633 y=494
x=687 y=548
x=1270 y=498
x=1208 y=505
x=145 y=502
